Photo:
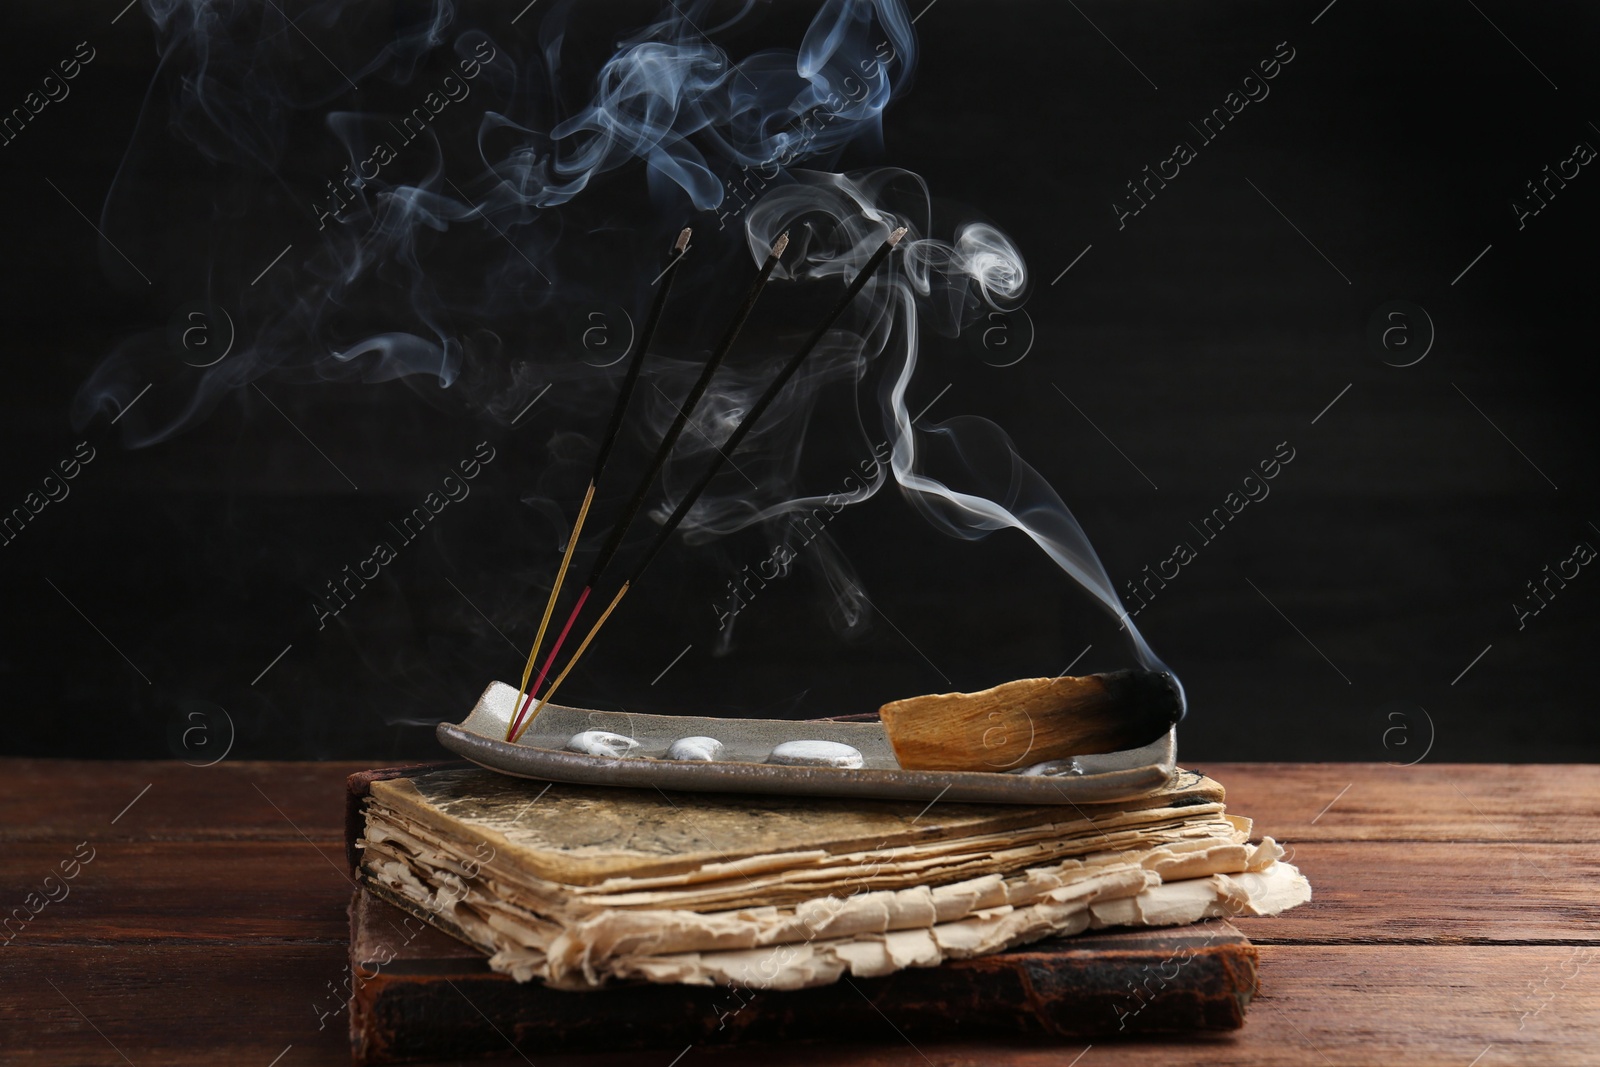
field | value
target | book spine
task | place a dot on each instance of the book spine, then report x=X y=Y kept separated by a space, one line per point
x=359 y=784
x=1047 y=992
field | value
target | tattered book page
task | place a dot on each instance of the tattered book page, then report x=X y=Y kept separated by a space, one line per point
x=664 y=901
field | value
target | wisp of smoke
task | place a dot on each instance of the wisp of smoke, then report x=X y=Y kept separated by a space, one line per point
x=409 y=266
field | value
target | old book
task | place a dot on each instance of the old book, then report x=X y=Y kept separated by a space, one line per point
x=581 y=886
x=417 y=994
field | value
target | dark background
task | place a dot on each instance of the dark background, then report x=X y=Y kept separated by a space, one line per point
x=1335 y=620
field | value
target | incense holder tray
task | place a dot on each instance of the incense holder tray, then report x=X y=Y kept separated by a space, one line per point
x=542 y=753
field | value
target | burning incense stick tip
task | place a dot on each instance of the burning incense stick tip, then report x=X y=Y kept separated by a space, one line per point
x=683 y=240
x=780 y=244
x=894 y=238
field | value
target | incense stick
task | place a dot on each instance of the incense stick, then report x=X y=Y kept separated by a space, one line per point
x=746 y=424
x=637 y=363
x=631 y=511
x=618 y=409
x=573 y=662
x=620 y=529
x=766 y=400
x=549 y=606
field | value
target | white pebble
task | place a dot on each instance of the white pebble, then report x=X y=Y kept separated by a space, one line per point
x=602 y=743
x=1050 y=769
x=695 y=748
x=816 y=754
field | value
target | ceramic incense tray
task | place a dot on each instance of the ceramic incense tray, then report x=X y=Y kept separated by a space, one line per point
x=747 y=745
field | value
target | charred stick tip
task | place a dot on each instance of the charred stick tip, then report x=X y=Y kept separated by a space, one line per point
x=683 y=240
x=894 y=238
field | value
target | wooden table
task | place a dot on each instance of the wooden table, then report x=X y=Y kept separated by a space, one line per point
x=1454 y=922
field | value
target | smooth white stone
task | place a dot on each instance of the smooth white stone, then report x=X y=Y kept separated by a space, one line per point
x=816 y=754
x=1054 y=768
x=695 y=748
x=602 y=743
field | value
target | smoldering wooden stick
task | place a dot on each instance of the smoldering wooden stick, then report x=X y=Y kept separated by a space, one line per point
x=1032 y=720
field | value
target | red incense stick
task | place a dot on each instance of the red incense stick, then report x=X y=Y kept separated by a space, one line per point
x=614 y=541
x=745 y=426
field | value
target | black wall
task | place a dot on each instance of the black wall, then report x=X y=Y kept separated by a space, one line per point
x=1365 y=609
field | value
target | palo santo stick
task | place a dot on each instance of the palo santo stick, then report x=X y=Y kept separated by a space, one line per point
x=1032 y=720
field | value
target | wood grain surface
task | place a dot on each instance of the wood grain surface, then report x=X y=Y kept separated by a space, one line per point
x=1454 y=923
